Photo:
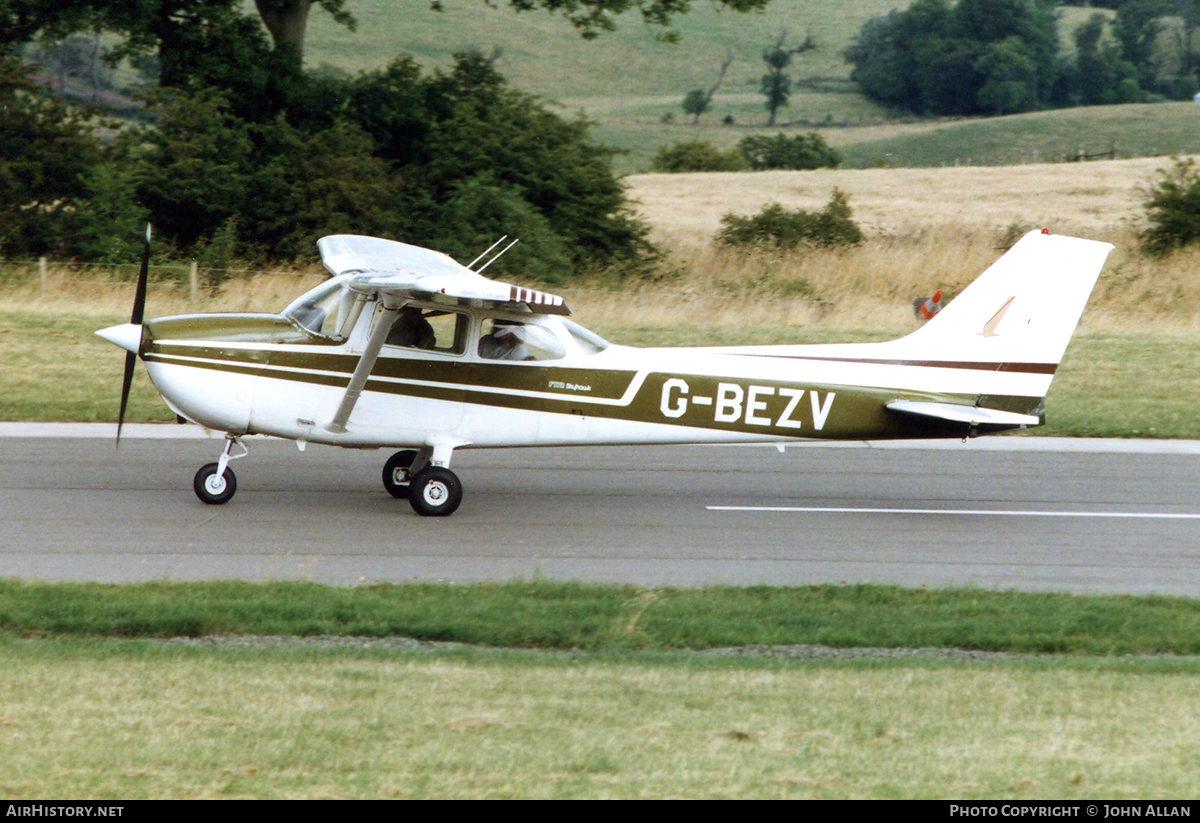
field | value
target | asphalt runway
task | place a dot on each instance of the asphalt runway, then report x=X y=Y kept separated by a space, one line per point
x=1098 y=516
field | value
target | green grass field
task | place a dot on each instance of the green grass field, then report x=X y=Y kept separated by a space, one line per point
x=1133 y=131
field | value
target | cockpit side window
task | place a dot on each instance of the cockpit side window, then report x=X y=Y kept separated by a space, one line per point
x=437 y=330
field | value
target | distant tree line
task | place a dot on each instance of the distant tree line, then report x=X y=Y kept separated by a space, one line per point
x=989 y=57
x=754 y=152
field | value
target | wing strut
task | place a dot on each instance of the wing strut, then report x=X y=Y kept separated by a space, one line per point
x=366 y=362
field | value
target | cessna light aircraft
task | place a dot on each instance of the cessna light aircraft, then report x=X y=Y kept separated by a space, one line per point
x=405 y=348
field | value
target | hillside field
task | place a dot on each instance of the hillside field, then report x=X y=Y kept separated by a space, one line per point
x=627 y=82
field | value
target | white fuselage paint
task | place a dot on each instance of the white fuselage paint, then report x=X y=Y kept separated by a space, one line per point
x=276 y=403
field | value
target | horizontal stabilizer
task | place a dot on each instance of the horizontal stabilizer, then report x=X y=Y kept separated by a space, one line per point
x=955 y=413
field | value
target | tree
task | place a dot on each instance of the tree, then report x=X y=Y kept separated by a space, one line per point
x=776 y=85
x=973 y=57
x=45 y=156
x=1010 y=77
x=697 y=102
x=287 y=20
x=1099 y=75
x=196 y=165
x=1159 y=37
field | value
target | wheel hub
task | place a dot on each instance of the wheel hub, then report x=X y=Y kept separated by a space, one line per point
x=214 y=485
x=435 y=493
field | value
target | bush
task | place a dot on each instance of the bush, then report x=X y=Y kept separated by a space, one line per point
x=697 y=155
x=776 y=227
x=1173 y=209
x=804 y=151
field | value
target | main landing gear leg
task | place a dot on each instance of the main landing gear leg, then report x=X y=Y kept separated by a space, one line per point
x=216 y=483
x=434 y=490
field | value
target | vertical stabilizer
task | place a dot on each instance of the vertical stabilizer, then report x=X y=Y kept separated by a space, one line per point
x=1023 y=309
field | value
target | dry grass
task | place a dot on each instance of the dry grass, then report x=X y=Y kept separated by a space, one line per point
x=1087 y=199
x=927 y=229
x=104 y=292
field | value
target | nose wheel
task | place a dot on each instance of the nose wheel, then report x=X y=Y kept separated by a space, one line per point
x=216 y=483
x=214 y=488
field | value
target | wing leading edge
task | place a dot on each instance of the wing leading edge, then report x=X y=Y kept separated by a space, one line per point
x=390 y=267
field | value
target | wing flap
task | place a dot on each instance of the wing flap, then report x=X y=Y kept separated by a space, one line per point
x=956 y=413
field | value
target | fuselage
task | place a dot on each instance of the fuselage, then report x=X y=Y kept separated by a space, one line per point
x=285 y=375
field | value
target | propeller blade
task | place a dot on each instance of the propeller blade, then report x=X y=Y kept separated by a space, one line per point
x=130 y=362
x=139 y=297
x=139 y=309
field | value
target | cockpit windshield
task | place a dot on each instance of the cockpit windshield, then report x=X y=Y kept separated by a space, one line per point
x=318 y=310
x=587 y=340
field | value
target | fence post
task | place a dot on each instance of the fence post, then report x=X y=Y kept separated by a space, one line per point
x=42 y=273
x=194 y=279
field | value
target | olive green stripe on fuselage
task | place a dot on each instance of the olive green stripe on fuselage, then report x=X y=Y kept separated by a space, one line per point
x=607 y=384
x=774 y=408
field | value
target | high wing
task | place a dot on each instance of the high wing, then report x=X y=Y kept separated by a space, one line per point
x=398 y=269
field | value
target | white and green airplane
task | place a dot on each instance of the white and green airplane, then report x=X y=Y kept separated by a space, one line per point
x=405 y=348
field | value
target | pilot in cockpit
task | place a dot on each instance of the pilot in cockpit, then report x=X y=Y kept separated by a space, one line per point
x=505 y=342
x=412 y=330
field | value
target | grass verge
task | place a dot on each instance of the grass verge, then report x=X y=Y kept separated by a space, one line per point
x=96 y=719
x=546 y=615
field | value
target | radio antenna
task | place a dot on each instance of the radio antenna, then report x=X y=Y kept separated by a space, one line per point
x=497 y=257
x=489 y=248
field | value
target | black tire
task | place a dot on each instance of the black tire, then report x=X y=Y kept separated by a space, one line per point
x=211 y=493
x=435 y=492
x=395 y=473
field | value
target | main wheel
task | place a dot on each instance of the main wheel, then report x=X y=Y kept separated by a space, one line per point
x=395 y=472
x=214 y=490
x=435 y=492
